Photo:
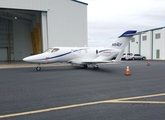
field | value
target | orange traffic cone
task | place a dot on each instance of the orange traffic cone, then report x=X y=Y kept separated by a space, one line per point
x=127 y=72
x=148 y=63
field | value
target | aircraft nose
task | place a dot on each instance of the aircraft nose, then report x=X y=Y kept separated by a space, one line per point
x=33 y=58
x=26 y=59
x=29 y=59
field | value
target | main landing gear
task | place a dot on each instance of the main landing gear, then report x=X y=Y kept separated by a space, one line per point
x=38 y=68
x=95 y=66
x=85 y=66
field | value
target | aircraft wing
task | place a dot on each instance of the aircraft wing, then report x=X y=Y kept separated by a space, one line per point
x=80 y=61
x=90 y=62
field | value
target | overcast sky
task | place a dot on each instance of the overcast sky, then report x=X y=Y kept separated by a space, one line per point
x=107 y=19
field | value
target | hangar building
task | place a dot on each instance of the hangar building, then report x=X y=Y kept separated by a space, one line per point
x=31 y=26
x=150 y=43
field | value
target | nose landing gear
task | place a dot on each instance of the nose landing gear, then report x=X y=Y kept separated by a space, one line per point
x=38 y=68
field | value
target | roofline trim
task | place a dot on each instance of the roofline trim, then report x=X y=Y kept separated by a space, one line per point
x=80 y=2
x=151 y=29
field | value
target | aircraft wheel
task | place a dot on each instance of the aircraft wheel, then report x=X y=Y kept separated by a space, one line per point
x=38 y=68
x=96 y=67
x=85 y=66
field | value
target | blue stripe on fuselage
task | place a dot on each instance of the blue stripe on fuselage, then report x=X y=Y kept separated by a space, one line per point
x=60 y=55
x=104 y=50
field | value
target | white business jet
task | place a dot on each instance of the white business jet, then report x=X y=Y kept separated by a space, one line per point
x=83 y=56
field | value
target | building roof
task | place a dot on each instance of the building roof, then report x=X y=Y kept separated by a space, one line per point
x=80 y=2
x=151 y=29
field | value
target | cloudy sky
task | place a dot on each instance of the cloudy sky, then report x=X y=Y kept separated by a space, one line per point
x=107 y=19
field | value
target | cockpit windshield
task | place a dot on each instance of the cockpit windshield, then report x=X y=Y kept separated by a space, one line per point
x=49 y=50
x=55 y=49
x=52 y=50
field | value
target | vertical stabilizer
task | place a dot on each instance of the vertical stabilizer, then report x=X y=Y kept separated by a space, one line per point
x=123 y=40
x=118 y=58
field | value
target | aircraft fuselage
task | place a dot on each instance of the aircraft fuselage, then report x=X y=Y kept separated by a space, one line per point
x=67 y=54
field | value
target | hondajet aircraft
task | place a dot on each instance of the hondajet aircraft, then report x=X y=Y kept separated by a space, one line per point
x=83 y=56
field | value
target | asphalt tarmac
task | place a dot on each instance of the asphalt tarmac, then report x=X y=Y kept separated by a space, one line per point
x=75 y=93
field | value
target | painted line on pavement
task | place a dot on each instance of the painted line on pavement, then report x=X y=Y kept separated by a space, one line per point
x=121 y=100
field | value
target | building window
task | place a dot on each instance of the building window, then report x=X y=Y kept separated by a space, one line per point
x=133 y=40
x=157 y=36
x=144 y=38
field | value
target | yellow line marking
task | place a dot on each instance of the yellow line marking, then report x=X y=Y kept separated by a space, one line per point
x=139 y=102
x=140 y=97
x=121 y=100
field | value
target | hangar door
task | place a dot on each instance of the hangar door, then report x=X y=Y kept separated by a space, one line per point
x=20 y=33
x=3 y=54
x=6 y=39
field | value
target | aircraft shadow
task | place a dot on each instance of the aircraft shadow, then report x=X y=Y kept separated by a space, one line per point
x=70 y=68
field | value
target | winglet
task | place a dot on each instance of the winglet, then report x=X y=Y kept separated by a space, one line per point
x=128 y=33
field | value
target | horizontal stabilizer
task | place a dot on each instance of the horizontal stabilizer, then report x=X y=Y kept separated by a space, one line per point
x=123 y=40
x=128 y=33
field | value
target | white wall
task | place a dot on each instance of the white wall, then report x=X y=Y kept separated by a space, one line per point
x=146 y=45
x=22 y=40
x=126 y=50
x=134 y=46
x=148 y=48
x=159 y=43
x=67 y=24
x=67 y=20
x=26 y=4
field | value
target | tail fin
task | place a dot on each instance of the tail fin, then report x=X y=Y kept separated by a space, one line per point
x=123 y=39
x=118 y=58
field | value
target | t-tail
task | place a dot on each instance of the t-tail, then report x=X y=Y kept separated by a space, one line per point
x=123 y=40
x=121 y=43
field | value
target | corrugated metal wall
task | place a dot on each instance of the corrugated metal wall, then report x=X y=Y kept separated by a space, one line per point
x=64 y=22
x=159 y=44
x=152 y=47
x=66 y=19
x=6 y=39
x=134 y=47
x=67 y=24
x=40 y=5
x=146 y=45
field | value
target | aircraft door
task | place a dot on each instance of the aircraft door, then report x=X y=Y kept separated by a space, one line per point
x=72 y=53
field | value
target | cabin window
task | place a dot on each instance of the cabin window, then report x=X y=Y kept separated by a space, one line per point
x=55 y=49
